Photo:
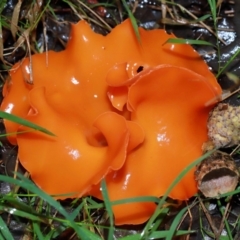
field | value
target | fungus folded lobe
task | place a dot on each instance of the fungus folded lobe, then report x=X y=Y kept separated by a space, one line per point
x=76 y=77
x=66 y=163
x=171 y=104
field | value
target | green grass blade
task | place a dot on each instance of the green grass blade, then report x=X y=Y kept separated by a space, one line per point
x=37 y=231
x=213 y=7
x=24 y=214
x=228 y=63
x=164 y=234
x=133 y=20
x=2 y=5
x=30 y=186
x=229 y=194
x=157 y=235
x=222 y=210
x=95 y=205
x=136 y=199
x=131 y=237
x=76 y=211
x=188 y=41
x=12 y=201
x=50 y=235
x=108 y=208
x=201 y=19
x=5 y=231
x=175 y=224
x=160 y=219
x=24 y=122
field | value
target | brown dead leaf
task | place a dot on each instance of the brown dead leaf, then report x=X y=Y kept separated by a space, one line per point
x=15 y=18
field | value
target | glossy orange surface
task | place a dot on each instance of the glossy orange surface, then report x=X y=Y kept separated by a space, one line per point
x=171 y=104
x=133 y=112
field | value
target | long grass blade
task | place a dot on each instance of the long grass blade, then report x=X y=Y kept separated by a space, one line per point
x=213 y=7
x=228 y=63
x=24 y=122
x=133 y=20
x=37 y=231
x=108 y=208
x=5 y=231
x=76 y=211
x=12 y=201
x=188 y=41
x=24 y=214
x=160 y=219
x=157 y=235
x=222 y=210
x=175 y=223
x=82 y=232
x=95 y=205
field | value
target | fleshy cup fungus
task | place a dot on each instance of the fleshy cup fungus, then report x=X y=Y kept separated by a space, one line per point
x=174 y=120
x=133 y=112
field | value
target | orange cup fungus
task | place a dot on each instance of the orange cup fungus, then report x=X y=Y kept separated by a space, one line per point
x=132 y=112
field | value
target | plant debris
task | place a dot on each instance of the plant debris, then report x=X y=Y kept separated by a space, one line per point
x=217 y=174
